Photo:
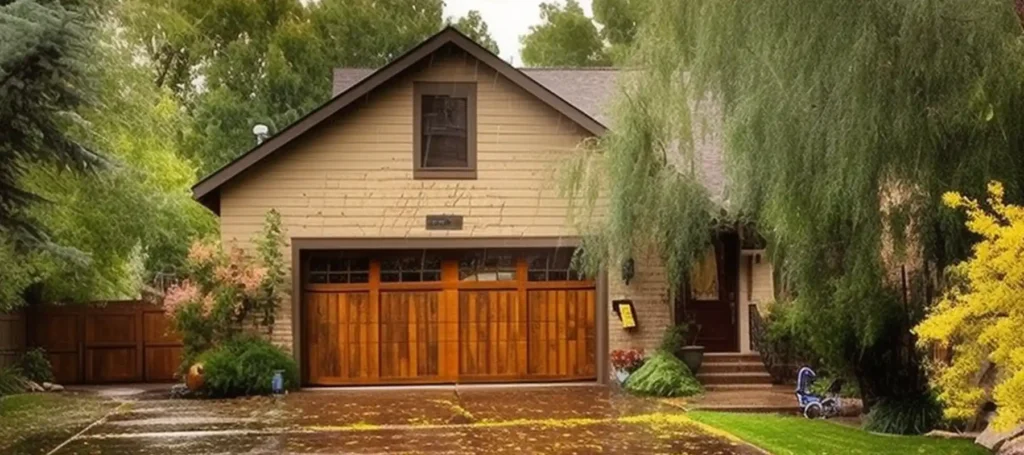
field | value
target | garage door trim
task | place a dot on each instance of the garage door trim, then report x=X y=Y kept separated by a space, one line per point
x=311 y=244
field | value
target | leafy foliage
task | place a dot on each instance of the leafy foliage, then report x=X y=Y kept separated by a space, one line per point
x=635 y=189
x=980 y=317
x=245 y=365
x=46 y=48
x=869 y=111
x=567 y=37
x=620 y=20
x=784 y=348
x=570 y=38
x=132 y=220
x=674 y=338
x=35 y=366
x=914 y=414
x=11 y=381
x=269 y=62
x=663 y=375
x=224 y=290
x=111 y=230
x=473 y=26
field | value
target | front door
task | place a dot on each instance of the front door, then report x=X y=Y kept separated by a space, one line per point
x=709 y=293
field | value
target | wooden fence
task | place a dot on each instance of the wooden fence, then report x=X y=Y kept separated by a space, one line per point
x=12 y=337
x=107 y=342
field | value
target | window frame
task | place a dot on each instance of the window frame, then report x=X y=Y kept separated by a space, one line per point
x=456 y=89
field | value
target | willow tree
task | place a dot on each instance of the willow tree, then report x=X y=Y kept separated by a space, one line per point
x=842 y=122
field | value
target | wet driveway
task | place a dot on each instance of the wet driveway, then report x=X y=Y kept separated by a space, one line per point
x=569 y=419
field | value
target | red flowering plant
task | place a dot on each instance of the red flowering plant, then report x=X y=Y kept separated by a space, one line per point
x=225 y=290
x=628 y=360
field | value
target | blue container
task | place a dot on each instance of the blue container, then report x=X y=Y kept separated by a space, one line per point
x=277 y=384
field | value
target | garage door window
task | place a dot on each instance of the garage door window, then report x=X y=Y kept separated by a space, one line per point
x=332 y=268
x=410 y=268
x=487 y=265
x=552 y=265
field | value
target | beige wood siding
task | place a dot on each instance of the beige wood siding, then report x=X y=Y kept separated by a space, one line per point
x=352 y=176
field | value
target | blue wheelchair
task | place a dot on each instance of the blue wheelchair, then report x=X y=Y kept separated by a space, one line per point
x=817 y=406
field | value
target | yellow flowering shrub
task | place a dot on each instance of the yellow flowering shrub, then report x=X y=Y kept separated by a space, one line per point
x=981 y=314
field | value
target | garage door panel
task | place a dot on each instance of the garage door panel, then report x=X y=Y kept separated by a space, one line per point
x=411 y=335
x=562 y=336
x=489 y=332
x=341 y=337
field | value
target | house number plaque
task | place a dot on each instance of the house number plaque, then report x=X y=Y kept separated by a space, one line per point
x=444 y=222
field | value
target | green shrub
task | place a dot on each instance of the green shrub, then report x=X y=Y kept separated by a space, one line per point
x=674 y=338
x=782 y=342
x=663 y=375
x=822 y=382
x=245 y=365
x=11 y=381
x=35 y=366
x=905 y=415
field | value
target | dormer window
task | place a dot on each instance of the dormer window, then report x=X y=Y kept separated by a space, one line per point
x=445 y=130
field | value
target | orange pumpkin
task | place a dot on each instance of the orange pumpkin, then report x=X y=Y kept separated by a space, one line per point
x=194 y=380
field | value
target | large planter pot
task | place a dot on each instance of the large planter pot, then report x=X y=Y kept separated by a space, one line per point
x=692 y=356
x=195 y=379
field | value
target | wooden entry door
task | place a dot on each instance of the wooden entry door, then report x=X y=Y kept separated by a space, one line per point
x=714 y=308
x=444 y=317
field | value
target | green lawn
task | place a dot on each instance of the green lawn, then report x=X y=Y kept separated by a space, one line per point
x=35 y=423
x=784 y=435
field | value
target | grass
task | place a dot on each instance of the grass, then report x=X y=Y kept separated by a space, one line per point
x=35 y=423
x=785 y=435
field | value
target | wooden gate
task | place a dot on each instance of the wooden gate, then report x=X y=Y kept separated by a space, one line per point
x=106 y=342
x=399 y=318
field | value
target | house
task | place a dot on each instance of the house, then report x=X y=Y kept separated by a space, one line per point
x=429 y=242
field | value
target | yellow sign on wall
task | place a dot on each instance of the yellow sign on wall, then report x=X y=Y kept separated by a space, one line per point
x=627 y=316
x=624 y=308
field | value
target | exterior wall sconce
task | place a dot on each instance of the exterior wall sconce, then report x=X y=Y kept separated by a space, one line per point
x=628 y=270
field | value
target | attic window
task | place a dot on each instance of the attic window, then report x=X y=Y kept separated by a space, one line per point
x=445 y=130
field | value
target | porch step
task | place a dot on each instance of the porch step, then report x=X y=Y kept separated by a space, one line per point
x=723 y=371
x=761 y=377
x=718 y=357
x=732 y=367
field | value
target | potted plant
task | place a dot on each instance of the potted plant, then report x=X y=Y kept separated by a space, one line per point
x=681 y=340
x=625 y=362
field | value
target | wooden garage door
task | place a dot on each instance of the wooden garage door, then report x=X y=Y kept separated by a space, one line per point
x=447 y=316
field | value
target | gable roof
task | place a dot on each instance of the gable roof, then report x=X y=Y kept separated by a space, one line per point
x=207 y=190
x=589 y=89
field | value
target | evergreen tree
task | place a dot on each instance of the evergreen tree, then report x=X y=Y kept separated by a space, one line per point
x=44 y=51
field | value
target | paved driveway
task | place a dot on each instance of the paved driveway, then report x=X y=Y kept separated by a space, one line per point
x=570 y=419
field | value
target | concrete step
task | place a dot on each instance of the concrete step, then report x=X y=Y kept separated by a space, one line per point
x=728 y=357
x=734 y=378
x=732 y=367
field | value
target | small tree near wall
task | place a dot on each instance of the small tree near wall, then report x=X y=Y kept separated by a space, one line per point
x=980 y=316
x=226 y=291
